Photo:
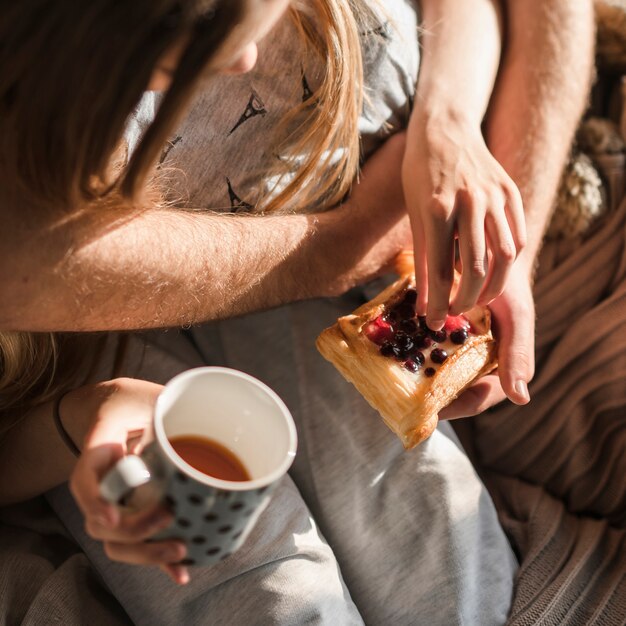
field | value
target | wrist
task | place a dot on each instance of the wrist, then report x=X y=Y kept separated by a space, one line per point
x=437 y=114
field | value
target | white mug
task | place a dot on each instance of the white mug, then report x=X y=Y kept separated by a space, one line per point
x=213 y=516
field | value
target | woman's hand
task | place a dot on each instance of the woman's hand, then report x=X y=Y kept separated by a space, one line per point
x=122 y=411
x=455 y=188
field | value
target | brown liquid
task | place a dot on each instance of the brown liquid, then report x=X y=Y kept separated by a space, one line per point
x=210 y=457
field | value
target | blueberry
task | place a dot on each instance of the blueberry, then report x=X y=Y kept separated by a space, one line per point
x=411 y=365
x=403 y=341
x=458 y=336
x=429 y=371
x=439 y=335
x=418 y=357
x=408 y=326
x=410 y=296
x=421 y=339
x=391 y=316
x=437 y=355
x=387 y=349
x=404 y=311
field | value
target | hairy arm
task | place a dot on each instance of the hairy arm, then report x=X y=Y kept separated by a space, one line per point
x=538 y=101
x=112 y=269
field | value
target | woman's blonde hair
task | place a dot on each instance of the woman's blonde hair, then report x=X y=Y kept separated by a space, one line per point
x=85 y=134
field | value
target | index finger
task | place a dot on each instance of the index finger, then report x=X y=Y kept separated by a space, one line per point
x=439 y=234
x=104 y=446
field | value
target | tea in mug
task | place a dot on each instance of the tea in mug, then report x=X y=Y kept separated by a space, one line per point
x=210 y=457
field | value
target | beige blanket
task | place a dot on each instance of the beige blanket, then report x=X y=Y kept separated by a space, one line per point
x=557 y=467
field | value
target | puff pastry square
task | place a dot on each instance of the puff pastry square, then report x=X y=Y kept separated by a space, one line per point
x=405 y=371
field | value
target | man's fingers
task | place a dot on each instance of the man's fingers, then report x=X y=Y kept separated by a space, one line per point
x=482 y=395
x=147 y=553
x=515 y=330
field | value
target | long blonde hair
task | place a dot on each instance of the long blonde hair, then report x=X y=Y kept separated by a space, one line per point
x=29 y=368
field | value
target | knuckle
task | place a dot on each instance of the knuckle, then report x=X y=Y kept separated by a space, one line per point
x=506 y=252
x=440 y=208
x=477 y=269
x=522 y=240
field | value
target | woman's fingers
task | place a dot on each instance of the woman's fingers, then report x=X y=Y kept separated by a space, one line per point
x=146 y=553
x=439 y=233
x=474 y=261
x=131 y=527
x=502 y=256
x=178 y=573
x=516 y=218
x=421 y=265
x=84 y=485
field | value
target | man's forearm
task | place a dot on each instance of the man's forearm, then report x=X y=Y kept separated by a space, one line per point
x=539 y=98
x=110 y=269
x=167 y=268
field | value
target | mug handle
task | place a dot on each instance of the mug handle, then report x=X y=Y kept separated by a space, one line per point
x=126 y=475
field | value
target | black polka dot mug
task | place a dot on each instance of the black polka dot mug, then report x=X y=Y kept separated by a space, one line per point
x=231 y=410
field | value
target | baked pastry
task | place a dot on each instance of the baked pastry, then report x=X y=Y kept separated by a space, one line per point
x=406 y=371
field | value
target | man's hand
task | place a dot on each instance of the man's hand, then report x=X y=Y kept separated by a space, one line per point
x=123 y=410
x=513 y=314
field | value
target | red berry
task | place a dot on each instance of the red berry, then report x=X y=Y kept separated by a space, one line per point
x=379 y=331
x=455 y=322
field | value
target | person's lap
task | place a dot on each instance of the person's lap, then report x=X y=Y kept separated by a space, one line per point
x=414 y=534
x=284 y=574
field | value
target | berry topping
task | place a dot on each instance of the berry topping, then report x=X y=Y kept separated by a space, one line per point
x=437 y=355
x=408 y=326
x=422 y=340
x=454 y=322
x=429 y=371
x=439 y=335
x=418 y=357
x=379 y=331
x=458 y=336
x=403 y=311
x=403 y=341
x=411 y=365
x=387 y=349
x=410 y=296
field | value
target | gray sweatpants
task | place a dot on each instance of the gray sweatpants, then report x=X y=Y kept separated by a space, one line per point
x=361 y=531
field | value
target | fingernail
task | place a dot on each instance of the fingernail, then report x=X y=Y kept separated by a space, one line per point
x=184 y=577
x=437 y=324
x=522 y=390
